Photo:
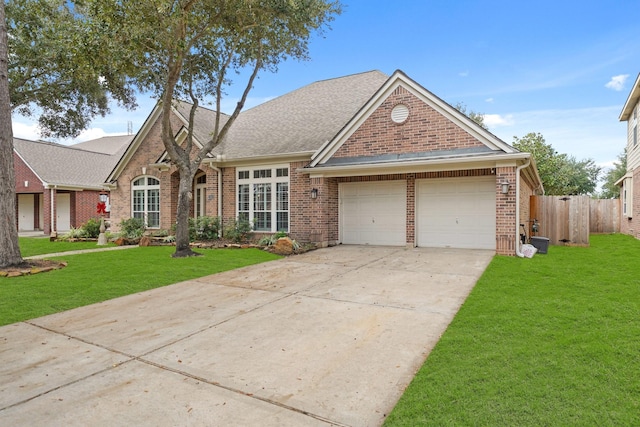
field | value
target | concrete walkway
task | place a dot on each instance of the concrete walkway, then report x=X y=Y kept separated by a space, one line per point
x=331 y=337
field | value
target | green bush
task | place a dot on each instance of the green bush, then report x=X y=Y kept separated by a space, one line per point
x=132 y=228
x=204 y=228
x=91 y=228
x=239 y=231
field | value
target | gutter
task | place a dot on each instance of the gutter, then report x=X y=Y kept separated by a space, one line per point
x=517 y=234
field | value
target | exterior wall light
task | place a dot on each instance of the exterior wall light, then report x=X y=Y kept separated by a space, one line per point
x=505 y=187
x=314 y=193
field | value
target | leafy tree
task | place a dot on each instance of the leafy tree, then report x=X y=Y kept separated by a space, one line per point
x=609 y=188
x=476 y=117
x=56 y=66
x=60 y=67
x=560 y=174
x=189 y=49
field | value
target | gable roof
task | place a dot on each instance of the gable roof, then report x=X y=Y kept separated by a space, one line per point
x=105 y=144
x=65 y=167
x=631 y=102
x=491 y=144
x=300 y=121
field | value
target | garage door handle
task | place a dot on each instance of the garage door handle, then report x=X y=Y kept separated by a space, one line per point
x=373 y=220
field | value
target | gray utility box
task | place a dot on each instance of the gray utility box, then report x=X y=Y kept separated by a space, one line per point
x=540 y=243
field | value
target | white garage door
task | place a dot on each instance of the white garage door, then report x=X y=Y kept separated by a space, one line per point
x=373 y=213
x=456 y=213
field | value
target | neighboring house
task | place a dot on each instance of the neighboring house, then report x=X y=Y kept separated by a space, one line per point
x=58 y=186
x=630 y=183
x=363 y=159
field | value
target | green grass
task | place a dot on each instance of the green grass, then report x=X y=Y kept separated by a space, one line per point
x=552 y=340
x=30 y=246
x=99 y=276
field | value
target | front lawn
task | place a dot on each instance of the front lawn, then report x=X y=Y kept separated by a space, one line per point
x=30 y=246
x=553 y=340
x=99 y=276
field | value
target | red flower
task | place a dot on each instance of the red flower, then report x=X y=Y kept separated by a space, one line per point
x=102 y=208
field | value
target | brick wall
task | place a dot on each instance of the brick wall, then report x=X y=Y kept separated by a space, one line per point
x=22 y=174
x=424 y=130
x=149 y=151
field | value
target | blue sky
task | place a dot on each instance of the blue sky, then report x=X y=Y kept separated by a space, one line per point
x=561 y=68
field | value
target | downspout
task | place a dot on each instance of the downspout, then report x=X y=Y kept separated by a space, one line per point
x=518 y=169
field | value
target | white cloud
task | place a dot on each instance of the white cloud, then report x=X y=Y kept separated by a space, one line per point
x=28 y=131
x=497 y=120
x=617 y=82
x=463 y=73
x=489 y=100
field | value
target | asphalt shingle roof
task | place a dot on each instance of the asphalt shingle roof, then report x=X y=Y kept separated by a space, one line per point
x=63 y=165
x=106 y=144
x=297 y=122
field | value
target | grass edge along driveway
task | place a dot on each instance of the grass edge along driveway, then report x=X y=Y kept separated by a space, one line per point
x=552 y=340
x=95 y=277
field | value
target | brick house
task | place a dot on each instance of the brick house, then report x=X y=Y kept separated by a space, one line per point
x=630 y=183
x=58 y=186
x=361 y=159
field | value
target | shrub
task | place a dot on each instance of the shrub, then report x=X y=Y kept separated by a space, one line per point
x=132 y=228
x=239 y=231
x=73 y=233
x=91 y=228
x=207 y=227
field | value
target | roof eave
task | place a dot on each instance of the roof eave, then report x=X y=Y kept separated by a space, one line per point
x=423 y=165
x=631 y=102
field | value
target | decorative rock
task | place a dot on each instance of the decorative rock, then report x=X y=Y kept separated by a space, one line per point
x=284 y=246
x=145 y=241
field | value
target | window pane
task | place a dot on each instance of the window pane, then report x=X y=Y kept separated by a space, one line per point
x=282 y=196
x=282 y=221
x=261 y=197
x=152 y=181
x=243 y=198
x=262 y=173
x=138 y=182
x=282 y=172
x=262 y=221
x=153 y=202
x=138 y=201
x=153 y=219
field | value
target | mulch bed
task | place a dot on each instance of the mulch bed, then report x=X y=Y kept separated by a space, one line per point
x=31 y=266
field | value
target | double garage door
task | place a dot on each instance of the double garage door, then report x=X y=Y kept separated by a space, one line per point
x=456 y=213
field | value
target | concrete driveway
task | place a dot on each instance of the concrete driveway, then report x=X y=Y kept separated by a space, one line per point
x=331 y=337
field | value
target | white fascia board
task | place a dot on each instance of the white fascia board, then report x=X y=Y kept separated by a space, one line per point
x=631 y=101
x=621 y=180
x=400 y=79
x=430 y=165
x=262 y=160
x=30 y=168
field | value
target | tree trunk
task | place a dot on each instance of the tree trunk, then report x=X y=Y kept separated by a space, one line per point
x=182 y=216
x=9 y=248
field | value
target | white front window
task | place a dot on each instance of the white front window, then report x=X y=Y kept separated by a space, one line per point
x=145 y=200
x=262 y=197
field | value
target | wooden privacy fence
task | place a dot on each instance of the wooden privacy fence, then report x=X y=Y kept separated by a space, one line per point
x=568 y=220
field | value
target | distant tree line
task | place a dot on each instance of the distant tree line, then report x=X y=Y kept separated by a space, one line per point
x=562 y=174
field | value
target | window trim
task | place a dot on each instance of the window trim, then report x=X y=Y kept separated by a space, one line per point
x=146 y=187
x=254 y=177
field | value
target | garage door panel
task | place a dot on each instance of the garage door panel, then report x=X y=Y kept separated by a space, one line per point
x=373 y=213
x=457 y=213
